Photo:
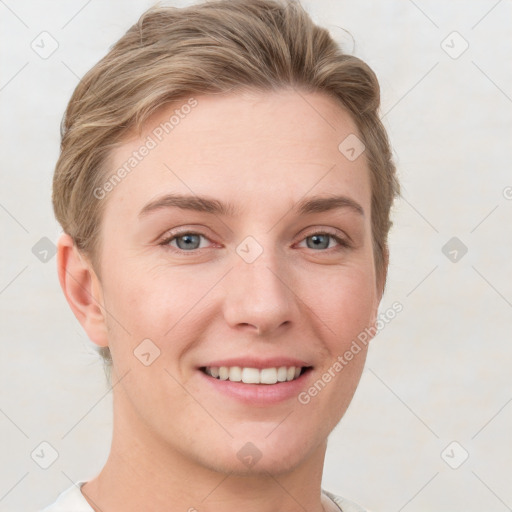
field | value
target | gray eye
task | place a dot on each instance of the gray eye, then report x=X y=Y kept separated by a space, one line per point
x=188 y=241
x=319 y=241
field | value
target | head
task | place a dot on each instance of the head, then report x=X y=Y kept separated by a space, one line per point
x=230 y=105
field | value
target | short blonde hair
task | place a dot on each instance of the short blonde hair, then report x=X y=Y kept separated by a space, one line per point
x=212 y=47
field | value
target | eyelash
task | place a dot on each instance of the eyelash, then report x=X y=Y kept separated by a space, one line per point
x=343 y=244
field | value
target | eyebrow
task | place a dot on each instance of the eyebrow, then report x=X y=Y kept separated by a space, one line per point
x=315 y=204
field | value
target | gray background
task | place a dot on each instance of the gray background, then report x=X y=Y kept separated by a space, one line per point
x=438 y=373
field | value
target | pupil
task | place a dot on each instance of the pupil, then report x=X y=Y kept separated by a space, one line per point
x=188 y=240
x=318 y=238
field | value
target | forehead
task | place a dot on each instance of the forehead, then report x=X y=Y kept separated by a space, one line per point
x=263 y=145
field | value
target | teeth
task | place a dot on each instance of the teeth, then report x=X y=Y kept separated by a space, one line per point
x=235 y=374
x=254 y=375
x=281 y=373
x=267 y=376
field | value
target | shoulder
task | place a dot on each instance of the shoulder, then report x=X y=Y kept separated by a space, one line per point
x=344 y=504
x=71 y=500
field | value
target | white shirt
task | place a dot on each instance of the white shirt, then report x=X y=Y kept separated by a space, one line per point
x=72 y=500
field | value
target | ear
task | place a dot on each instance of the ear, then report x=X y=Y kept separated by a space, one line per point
x=82 y=290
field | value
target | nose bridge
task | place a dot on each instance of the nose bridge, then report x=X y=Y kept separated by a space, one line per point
x=257 y=291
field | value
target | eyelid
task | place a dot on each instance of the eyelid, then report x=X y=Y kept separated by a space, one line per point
x=323 y=230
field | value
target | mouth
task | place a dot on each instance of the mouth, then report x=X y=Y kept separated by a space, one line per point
x=265 y=376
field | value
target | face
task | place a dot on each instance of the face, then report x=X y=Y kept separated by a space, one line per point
x=260 y=278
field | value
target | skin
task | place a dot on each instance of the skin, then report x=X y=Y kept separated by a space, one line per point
x=175 y=440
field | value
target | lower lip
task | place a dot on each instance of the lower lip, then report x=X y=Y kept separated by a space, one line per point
x=259 y=394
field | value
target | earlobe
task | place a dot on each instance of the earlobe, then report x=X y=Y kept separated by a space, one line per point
x=82 y=290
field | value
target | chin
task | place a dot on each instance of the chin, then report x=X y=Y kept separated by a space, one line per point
x=270 y=463
x=261 y=454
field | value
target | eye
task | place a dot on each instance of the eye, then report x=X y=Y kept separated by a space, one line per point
x=186 y=241
x=190 y=241
x=321 y=240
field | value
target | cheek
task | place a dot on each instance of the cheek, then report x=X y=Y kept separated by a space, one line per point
x=344 y=303
x=345 y=308
x=158 y=303
x=143 y=295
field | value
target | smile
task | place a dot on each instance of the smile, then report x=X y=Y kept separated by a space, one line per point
x=254 y=375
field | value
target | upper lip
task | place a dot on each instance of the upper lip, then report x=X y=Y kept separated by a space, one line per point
x=252 y=362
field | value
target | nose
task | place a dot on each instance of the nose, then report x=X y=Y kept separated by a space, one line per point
x=258 y=297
